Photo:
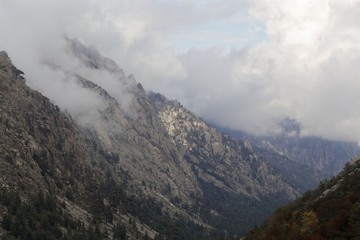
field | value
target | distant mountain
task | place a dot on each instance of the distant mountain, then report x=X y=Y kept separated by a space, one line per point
x=136 y=166
x=332 y=211
x=319 y=158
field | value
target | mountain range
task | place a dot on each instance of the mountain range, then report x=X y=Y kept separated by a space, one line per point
x=137 y=165
x=326 y=157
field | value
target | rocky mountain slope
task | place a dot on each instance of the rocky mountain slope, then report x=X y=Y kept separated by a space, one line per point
x=332 y=211
x=42 y=156
x=184 y=181
x=145 y=167
x=229 y=172
x=320 y=158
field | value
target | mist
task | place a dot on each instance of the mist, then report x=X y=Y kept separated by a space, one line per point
x=240 y=64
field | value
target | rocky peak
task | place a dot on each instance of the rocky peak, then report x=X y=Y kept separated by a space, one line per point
x=91 y=57
x=8 y=68
x=290 y=127
x=160 y=101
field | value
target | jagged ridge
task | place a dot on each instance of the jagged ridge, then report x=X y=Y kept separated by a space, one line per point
x=151 y=163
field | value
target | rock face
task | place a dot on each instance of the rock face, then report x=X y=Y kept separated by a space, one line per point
x=148 y=166
x=41 y=150
x=228 y=171
x=217 y=157
x=36 y=138
x=176 y=159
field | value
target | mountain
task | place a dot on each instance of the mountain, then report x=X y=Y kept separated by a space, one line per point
x=45 y=164
x=332 y=211
x=319 y=158
x=134 y=166
x=235 y=182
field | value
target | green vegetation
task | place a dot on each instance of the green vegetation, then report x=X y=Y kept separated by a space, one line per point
x=330 y=212
x=119 y=232
x=148 y=211
x=232 y=210
x=40 y=218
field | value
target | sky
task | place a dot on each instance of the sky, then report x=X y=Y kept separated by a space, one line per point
x=245 y=65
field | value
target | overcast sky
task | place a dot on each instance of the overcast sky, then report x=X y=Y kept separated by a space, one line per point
x=241 y=64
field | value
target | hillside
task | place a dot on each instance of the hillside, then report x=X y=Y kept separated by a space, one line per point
x=332 y=211
x=191 y=183
x=46 y=170
x=235 y=181
x=136 y=168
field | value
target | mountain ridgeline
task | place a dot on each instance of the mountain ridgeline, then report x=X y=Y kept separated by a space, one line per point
x=303 y=160
x=138 y=166
x=126 y=170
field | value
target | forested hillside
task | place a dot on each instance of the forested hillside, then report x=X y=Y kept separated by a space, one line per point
x=332 y=211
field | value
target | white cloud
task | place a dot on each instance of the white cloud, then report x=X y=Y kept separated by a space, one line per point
x=83 y=104
x=242 y=64
x=307 y=41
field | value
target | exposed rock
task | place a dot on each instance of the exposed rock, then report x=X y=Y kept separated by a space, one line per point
x=154 y=161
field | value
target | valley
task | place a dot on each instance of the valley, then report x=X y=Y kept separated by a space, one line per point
x=144 y=168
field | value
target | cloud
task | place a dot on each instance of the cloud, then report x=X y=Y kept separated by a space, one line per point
x=64 y=90
x=240 y=64
x=36 y=41
x=305 y=69
x=309 y=62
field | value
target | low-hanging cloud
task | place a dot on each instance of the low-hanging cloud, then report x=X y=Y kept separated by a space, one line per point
x=64 y=90
x=305 y=69
x=38 y=44
x=298 y=58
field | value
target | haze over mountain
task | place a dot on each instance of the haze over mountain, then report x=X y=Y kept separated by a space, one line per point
x=241 y=64
x=132 y=146
x=326 y=158
x=150 y=162
x=88 y=151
